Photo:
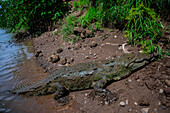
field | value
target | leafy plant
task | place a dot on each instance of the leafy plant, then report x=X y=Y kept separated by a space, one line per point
x=144 y=27
x=31 y=15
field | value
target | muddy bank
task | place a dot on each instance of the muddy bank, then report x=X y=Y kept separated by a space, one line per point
x=146 y=90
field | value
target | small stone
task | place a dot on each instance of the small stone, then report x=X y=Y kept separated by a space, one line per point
x=63 y=61
x=88 y=32
x=129 y=110
x=127 y=102
x=93 y=44
x=54 y=58
x=106 y=103
x=167 y=82
x=163 y=107
x=38 y=53
x=167 y=91
x=90 y=53
x=115 y=36
x=95 y=57
x=129 y=80
x=87 y=57
x=59 y=50
x=161 y=91
x=122 y=104
x=136 y=103
x=82 y=35
x=144 y=110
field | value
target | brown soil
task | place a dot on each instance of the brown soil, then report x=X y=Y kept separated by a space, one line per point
x=146 y=89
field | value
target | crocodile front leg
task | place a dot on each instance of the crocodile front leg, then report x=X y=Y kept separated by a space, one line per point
x=102 y=92
x=59 y=89
x=99 y=87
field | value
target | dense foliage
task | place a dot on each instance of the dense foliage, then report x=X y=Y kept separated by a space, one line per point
x=138 y=18
x=31 y=15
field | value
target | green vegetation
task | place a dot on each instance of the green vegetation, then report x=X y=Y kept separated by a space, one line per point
x=144 y=27
x=138 y=18
x=31 y=15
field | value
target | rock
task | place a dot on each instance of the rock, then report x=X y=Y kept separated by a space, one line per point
x=144 y=101
x=161 y=91
x=87 y=57
x=167 y=91
x=88 y=32
x=82 y=35
x=54 y=58
x=144 y=110
x=136 y=103
x=122 y=104
x=38 y=53
x=59 y=50
x=77 y=30
x=130 y=110
x=167 y=82
x=163 y=107
x=63 y=61
x=127 y=102
x=93 y=44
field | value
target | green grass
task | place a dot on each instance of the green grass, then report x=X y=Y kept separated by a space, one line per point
x=138 y=18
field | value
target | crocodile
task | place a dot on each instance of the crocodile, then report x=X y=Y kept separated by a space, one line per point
x=95 y=74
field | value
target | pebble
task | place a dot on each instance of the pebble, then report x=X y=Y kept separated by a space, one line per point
x=106 y=103
x=144 y=110
x=88 y=32
x=136 y=103
x=161 y=91
x=54 y=58
x=122 y=104
x=87 y=57
x=95 y=57
x=163 y=107
x=129 y=80
x=63 y=61
x=127 y=102
x=93 y=44
x=115 y=36
x=129 y=110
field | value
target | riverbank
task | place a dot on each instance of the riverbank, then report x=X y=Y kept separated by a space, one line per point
x=145 y=90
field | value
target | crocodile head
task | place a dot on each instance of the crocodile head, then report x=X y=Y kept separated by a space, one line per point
x=140 y=60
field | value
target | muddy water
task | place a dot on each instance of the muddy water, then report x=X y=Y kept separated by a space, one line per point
x=17 y=67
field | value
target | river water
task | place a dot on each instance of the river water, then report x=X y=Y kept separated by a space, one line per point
x=17 y=67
